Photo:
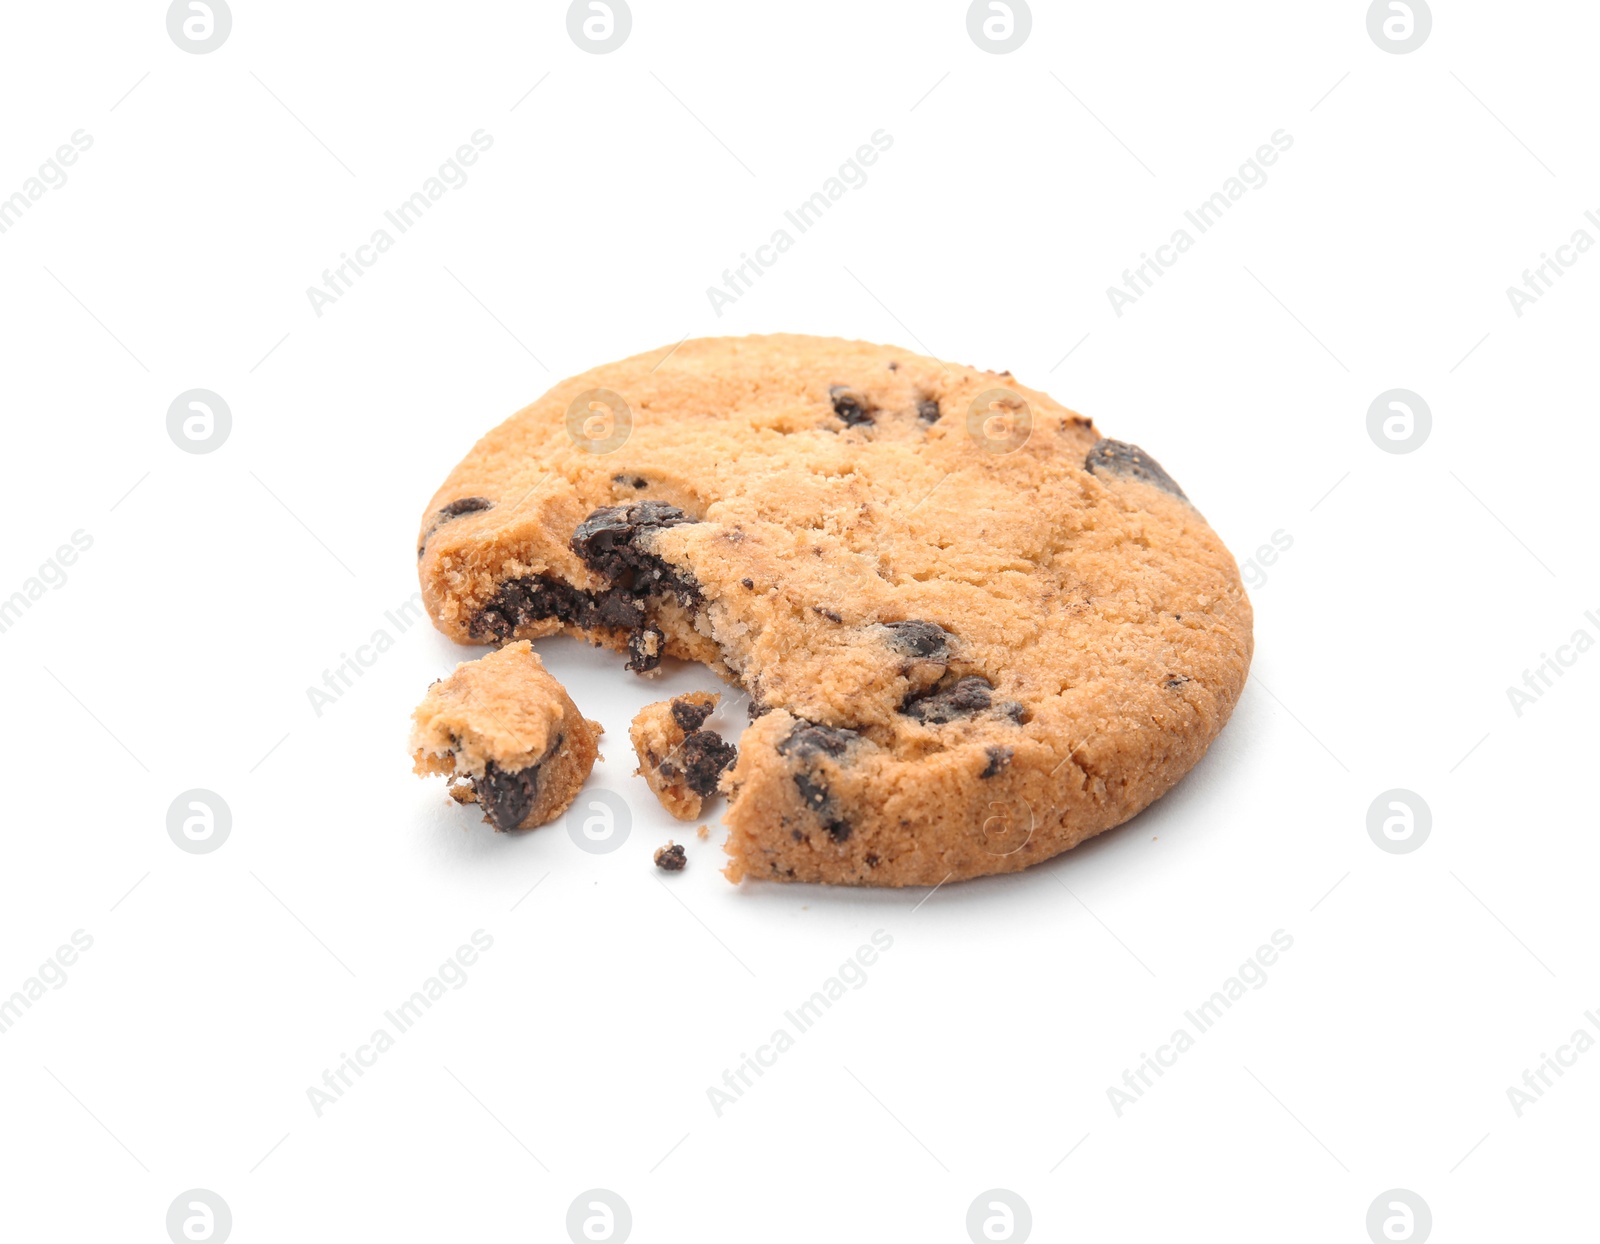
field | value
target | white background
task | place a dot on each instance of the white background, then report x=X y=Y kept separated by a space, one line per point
x=979 y=1052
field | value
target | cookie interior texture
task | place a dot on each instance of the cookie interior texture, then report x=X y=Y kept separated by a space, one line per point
x=508 y=732
x=973 y=631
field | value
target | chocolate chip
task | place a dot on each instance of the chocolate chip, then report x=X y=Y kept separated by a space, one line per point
x=1130 y=462
x=928 y=410
x=967 y=697
x=705 y=755
x=535 y=598
x=507 y=797
x=689 y=714
x=757 y=709
x=872 y=859
x=644 y=649
x=999 y=758
x=813 y=794
x=455 y=509
x=830 y=614
x=671 y=858
x=919 y=639
x=893 y=366
x=1177 y=680
x=749 y=583
x=613 y=608
x=850 y=406
x=609 y=542
x=466 y=505
x=807 y=742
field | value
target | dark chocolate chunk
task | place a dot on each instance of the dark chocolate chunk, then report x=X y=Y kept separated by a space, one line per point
x=813 y=794
x=491 y=624
x=749 y=583
x=1010 y=708
x=613 y=608
x=919 y=639
x=507 y=797
x=830 y=614
x=850 y=406
x=807 y=742
x=1177 y=680
x=1130 y=462
x=644 y=649
x=704 y=756
x=689 y=715
x=928 y=410
x=533 y=599
x=609 y=542
x=967 y=697
x=466 y=505
x=999 y=758
x=635 y=481
x=671 y=858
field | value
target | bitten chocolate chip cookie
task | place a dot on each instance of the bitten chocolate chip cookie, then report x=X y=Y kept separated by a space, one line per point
x=507 y=736
x=974 y=632
x=680 y=760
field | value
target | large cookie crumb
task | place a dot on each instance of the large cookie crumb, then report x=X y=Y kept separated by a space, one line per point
x=507 y=737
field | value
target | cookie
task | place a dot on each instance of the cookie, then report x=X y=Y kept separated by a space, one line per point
x=681 y=761
x=974 y=632
x=508 y=738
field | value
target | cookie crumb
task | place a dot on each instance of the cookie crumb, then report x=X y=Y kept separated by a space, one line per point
x=703 y=832
x=523 y=774
x=682 y=762
x=671 y=858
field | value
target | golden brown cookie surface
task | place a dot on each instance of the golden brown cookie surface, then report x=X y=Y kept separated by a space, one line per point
x=976 y=632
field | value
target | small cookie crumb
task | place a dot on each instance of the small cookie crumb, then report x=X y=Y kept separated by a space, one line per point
x=681 y=761
x=671 y=858
x=703 y=832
